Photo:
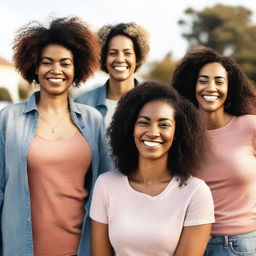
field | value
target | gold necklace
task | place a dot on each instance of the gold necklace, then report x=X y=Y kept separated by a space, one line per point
x=52 y=127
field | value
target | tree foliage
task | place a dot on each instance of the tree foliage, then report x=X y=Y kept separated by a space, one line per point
x=161 y=70
x=227 y=29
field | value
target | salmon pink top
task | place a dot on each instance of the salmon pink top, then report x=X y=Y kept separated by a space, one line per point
x=231 y=175
x=56 y=174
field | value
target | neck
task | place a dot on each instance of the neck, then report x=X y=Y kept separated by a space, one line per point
x=116 y=89
x=215 y=120
x=150 y=172
x=52 y=104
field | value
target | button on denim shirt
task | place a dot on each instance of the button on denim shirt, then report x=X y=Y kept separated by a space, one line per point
x=18 y=123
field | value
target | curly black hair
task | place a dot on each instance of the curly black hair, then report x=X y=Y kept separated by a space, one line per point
x=136 y=33
x=70 y=32
x=187 y=152
x=241 y=98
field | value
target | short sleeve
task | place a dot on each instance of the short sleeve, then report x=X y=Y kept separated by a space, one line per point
x=99 y=209
x=201 y=207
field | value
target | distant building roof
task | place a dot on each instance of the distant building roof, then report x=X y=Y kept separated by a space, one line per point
x=5 y=62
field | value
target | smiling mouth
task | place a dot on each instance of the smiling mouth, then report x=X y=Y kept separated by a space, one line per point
x=151 y=143
x=55 y=80
x=120 y=68
x=210 y=98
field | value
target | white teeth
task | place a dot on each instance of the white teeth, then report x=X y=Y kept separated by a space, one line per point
x=56 y=80
x=151 y=143
x=210 y=98
x=120 y=68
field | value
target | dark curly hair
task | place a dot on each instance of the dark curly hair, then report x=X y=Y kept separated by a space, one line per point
x=136 y=33
x=187 y=152
x=70 y=32
x=241 y=98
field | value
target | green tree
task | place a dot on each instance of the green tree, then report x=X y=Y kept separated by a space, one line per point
x=5 y=95
x=161 y=70
x=227 y=29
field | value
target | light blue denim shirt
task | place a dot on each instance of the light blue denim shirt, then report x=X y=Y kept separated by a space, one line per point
x=18 y=123
x=97 y=98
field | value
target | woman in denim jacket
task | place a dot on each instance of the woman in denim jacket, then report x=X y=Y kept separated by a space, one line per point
x=51 y=149
x=124 y=48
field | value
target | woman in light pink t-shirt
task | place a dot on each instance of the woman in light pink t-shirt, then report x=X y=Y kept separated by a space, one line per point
x=227 y=102
x=152 y=205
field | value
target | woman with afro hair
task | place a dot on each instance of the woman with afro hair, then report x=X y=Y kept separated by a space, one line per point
x=152 y=205
x=226 y=100
x=124 y=48
x=51 y=149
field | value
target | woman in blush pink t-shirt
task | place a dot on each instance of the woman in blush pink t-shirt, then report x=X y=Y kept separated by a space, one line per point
x=152 y=205
x=227 y=102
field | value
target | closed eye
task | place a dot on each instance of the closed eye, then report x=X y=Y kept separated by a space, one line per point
x=66 y=64
x=202 y=81
x=46 y=63
x=141 y=122
x=165 y=125
x=219 y=82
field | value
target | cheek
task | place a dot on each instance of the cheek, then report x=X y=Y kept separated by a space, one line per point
x=170 y=136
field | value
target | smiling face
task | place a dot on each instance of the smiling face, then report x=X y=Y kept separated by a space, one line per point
x=55 y=69
x=212 y=88
x=154 y=130
x=121 y=58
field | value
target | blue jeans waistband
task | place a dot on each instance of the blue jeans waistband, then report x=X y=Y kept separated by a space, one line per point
x=226 y=239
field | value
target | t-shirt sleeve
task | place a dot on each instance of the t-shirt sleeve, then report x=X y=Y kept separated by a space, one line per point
x=99 y=209
x=201 y=208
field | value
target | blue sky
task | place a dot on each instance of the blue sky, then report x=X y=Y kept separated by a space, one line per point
x=159 y=17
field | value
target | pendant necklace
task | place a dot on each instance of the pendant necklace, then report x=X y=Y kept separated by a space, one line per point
x=55 y=126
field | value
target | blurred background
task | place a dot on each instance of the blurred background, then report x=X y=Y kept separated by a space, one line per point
x=174 y=26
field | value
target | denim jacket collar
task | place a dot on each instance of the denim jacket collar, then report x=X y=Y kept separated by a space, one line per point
x=102 y=93
x=31 y=104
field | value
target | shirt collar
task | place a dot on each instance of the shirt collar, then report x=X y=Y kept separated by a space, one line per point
x=31 y=104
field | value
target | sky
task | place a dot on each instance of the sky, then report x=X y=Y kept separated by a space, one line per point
x=159 y=17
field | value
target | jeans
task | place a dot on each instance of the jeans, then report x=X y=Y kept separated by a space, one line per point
x=242 y=245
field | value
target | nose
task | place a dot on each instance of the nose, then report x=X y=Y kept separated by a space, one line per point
x=153 y=131
x=56 y=70
x=120 y=57
x=211 y=86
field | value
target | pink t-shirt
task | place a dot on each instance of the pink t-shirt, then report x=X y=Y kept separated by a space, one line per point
x=231 y=175
x=56 y=172
x=140 y=224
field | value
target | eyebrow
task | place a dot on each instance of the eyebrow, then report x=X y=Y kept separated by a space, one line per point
x=126 y=49
x=63 y=59
x=160 y=119
x=204 y=76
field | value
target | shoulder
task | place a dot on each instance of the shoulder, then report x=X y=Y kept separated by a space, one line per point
x=246 y=122
x=195 y=184
x=246 y=119
x=13 y=109
x=90 y=96
x=110 y=176
x=12 y=114
x=87 y=109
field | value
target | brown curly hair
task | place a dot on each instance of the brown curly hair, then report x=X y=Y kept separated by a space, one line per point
x=70 y=32
x=241 y=97
x=189 y=148
x=136 y=33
